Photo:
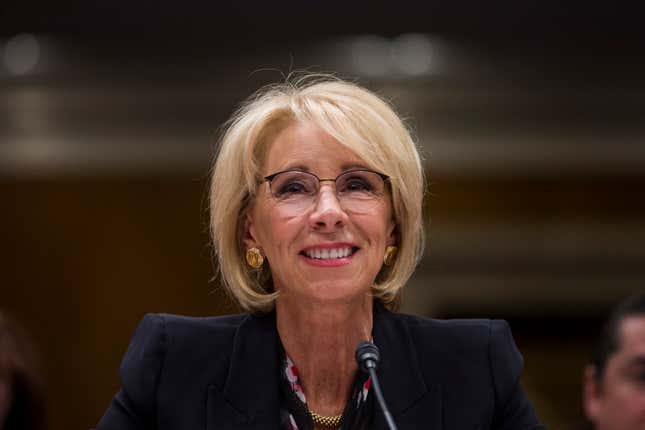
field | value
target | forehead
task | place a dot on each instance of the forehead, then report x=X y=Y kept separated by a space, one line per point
x=632 y=335
x=304 y=145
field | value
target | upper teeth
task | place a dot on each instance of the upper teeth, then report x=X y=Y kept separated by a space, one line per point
x=324 y=253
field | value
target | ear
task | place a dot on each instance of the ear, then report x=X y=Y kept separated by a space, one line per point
x=393 y=234
x=249 y=236
x=591 y=393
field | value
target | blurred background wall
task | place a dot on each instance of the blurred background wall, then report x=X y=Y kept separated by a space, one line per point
x=530 y=116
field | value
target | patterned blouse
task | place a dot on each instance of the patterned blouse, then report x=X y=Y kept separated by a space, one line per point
x=294 y=414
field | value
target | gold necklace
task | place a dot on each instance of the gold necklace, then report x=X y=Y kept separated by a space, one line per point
x=322 y=420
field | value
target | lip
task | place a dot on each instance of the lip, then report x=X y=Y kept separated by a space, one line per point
x=330 y=245
x=329 y=262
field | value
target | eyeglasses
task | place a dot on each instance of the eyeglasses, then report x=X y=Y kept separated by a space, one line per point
x=356 y=190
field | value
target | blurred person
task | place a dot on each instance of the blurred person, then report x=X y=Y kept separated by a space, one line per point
x=21 y=399
x=316 y=218
x=614 y=381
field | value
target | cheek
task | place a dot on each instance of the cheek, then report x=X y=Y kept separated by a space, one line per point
x=375 y=228
x=626 y=404
x=277 y=232
x=636 y=403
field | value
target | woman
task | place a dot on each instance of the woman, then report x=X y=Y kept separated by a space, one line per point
x=316 y=218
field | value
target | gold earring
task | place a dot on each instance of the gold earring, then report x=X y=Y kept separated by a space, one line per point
x=254 y=258
x=390 y=255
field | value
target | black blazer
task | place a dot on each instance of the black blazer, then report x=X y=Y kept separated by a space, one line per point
x=220 y=373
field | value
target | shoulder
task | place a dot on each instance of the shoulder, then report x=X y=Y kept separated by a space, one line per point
x=162 y=339
x=171 y=362
x=188 y=336
x=482 y=349
x=478 y=358
x=181 y=322
x=466 y=335
x=179 y=329
x=164 y=343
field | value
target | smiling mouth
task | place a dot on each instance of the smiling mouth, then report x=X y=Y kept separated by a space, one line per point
x=329 y=253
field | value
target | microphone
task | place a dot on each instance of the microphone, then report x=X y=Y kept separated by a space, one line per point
x=367 y=357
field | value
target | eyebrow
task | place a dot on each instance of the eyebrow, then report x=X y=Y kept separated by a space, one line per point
x=295 y=167
x=350 y=166
x=344 y=167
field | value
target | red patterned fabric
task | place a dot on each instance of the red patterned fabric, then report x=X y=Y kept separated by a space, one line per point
x=293 y=378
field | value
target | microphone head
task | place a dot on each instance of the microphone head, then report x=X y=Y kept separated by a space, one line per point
x=367 y=356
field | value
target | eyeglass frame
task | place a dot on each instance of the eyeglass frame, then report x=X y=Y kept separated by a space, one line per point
x=270 y=177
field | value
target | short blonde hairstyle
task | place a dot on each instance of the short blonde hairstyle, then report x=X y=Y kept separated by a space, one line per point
x=359 y=120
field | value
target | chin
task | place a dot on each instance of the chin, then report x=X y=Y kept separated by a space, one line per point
x=335 y=291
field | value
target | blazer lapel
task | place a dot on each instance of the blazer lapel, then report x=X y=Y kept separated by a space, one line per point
x=250 y=398
x=413 y=404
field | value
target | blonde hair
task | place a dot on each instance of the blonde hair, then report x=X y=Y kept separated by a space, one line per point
x=355 y=117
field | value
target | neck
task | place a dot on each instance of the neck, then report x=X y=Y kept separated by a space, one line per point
x=321 y=340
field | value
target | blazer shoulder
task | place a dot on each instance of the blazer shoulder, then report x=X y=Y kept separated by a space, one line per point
x=170 y=354
x=454 y=331
x=477 y=359
x=163 y=343
x=185 y=334
x=468 y=339
x=187 y=324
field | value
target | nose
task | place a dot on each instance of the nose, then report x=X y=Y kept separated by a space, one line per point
x=327 y=215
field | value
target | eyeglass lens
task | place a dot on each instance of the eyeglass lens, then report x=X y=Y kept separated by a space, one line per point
x=357 y=190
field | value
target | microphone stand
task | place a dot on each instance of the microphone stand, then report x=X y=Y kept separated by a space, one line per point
x=367 y=357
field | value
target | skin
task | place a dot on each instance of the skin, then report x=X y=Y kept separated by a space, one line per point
x=322 y=312
x=618 y=401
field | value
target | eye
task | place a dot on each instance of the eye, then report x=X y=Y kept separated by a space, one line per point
x=358 y=182
x=292 y=187
x=638 y=376
x=293 y=184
